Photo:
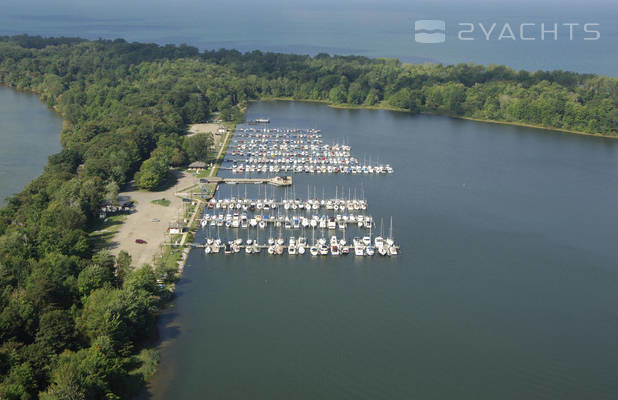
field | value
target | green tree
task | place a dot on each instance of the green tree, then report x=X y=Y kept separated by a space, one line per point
x=123 y=266
x=152 y=174
x=94 y=277
x=338 y=94
x=197 y=147
x=142 y=278
x=56 y=330
x=111 y=193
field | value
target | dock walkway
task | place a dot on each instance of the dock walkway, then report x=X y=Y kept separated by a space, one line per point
x=276 y=181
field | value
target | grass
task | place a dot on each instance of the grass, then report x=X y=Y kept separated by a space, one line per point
x=226 y=143
x=161 y=202
x=204 y=173
x=168 y=262
x=188 y=189
x=208 y=189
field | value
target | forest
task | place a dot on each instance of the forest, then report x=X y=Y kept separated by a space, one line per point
x=79 y=323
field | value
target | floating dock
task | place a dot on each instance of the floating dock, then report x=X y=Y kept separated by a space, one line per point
x=276 y=181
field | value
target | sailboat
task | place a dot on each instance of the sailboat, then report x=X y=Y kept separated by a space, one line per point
x=271 y=241
x=302 y=244
x=379 y=241
x=292 y=246
x=256 y=244
x=392 y=249
x=314 y=249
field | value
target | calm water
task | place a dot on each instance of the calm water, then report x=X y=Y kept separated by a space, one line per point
x=363 y=27
x=505 y=288
x=29 y=133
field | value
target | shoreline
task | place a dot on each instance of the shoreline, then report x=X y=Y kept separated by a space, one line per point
x=527 y=125
x=396 y=109
x=192 y=224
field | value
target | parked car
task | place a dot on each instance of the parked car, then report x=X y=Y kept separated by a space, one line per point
x=140 y=241
x=156 y=220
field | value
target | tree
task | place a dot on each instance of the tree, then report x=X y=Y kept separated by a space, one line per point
x=18 y=318
x=372 y=98
x=20 y=384
x=355 y=94
x=197 y=146
x=338 y=94
x=152 y=174
x=56 y=330
x=111 y=193
x=94 y=277
x=123 y=266
x=126 y=316
x=178 y=157
x=142 y=278
x=94 y=373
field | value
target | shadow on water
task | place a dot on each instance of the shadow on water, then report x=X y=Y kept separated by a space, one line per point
x=168 y=329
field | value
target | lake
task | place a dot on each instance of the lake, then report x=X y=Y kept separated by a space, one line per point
x=358 y=27
x=29 y=133
x=505 y=286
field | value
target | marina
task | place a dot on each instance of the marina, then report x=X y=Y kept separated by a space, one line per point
x=484 y=236
x=292 y=220
x=274 y=150
x=232 y=225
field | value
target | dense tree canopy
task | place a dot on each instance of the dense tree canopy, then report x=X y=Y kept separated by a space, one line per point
x=71 y=318
x=197 y=147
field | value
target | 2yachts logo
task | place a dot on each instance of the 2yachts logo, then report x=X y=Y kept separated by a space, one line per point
x=430 y=31
x=434 y=31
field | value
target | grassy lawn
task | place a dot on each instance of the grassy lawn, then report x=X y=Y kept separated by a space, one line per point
x=205 y=173
x=206 y=189
x=170 y=256
x=161 y=202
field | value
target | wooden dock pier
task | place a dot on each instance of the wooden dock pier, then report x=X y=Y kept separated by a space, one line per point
x=276 y=181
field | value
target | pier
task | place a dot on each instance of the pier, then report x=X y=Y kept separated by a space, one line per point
x=276 y=181
x=276 y=249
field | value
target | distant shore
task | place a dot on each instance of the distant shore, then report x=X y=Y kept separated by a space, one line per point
x=397 y=109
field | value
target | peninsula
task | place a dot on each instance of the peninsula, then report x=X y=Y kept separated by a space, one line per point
x=78 y=321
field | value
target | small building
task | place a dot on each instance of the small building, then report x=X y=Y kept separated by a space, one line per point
x=175 y=228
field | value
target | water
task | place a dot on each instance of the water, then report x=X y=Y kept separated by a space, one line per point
x=346 y=27
x=505 y=286
x=29 y=133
